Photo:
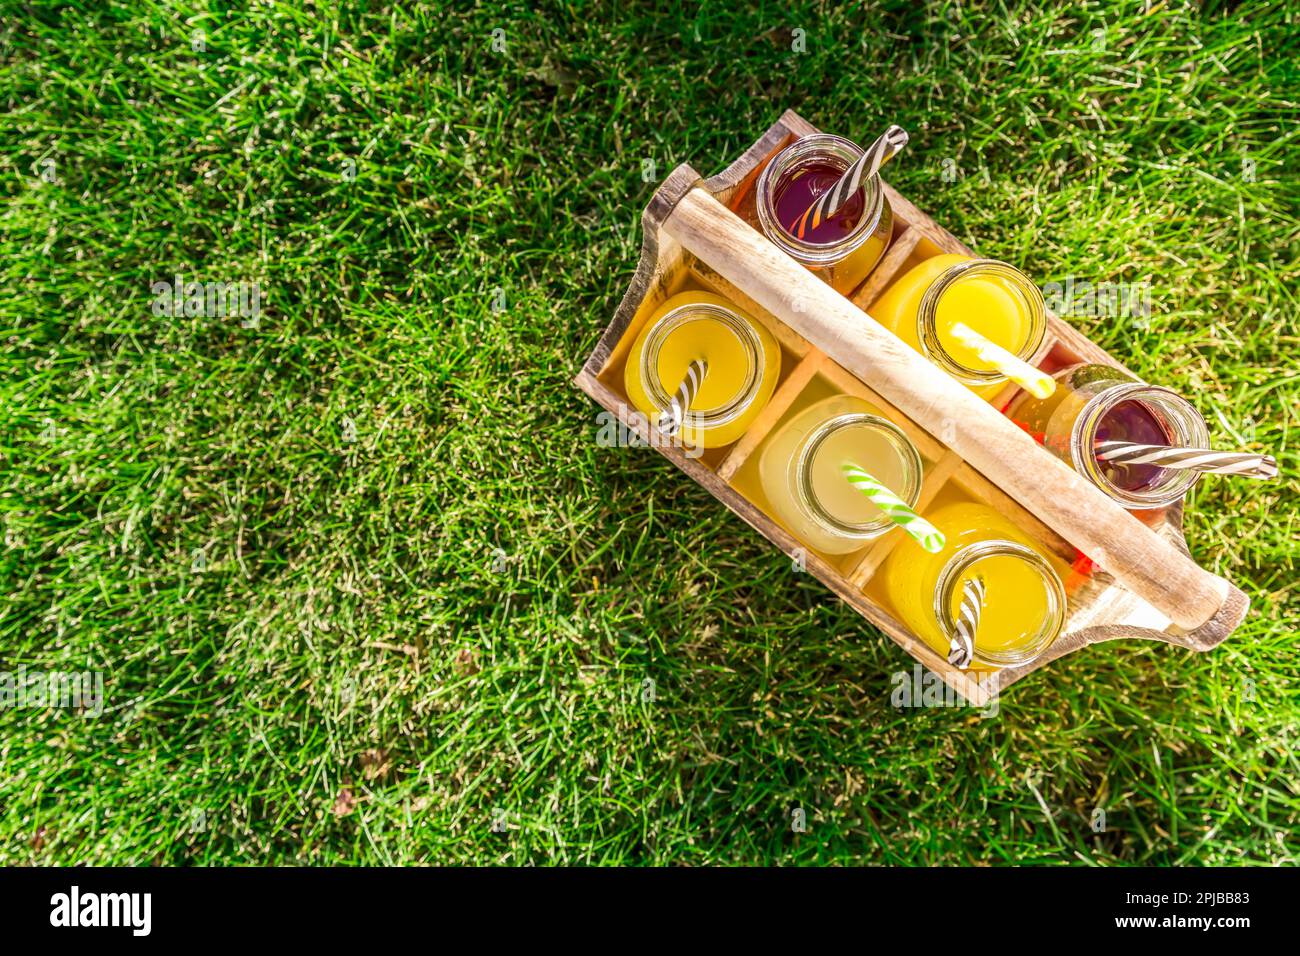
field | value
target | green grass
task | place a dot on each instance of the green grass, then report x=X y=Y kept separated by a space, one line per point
x=359 y=674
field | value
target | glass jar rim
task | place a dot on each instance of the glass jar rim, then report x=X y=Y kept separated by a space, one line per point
x=1174 y=412
x=806 y=495
x=963 y=559
x=927 y=331
x=674 y=319
x=840 y=152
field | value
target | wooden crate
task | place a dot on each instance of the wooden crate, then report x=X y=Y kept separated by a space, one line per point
x=1144 y=585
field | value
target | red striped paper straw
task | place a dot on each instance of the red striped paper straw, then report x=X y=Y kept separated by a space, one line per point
x=885 y=148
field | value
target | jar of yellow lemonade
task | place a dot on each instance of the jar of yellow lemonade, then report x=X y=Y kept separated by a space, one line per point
x=844 y=247
x=1101 y=403
x=801 y=470
x=995 y=300
x=1023 y=607
x=739 y=359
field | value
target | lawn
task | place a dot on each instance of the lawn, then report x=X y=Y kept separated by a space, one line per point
x=360 y=582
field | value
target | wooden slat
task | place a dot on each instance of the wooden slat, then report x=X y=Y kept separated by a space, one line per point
x=777 y=406
x=790 y=340
x=887 y=269
x=797 y=125
x=976 y=485
x=1080 y=345
x=923 y=224
x=659 y=267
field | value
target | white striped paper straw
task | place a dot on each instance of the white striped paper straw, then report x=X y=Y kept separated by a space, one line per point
x=1204 y=460
x=962 y=650
x=673 y=417
x=885 y=148
x=1033 y=380
x=896 y=509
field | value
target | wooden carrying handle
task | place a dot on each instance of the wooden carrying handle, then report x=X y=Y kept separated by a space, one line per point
x=1145 y=563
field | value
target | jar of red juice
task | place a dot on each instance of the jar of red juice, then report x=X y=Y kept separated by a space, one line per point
x=846 y=246
x=1097 y=403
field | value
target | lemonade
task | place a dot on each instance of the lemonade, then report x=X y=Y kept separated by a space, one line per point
x=801 y=470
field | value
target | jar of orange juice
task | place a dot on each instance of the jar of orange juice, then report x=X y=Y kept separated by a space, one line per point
x=741 y=357
x=997 y=301
x=1023 y=608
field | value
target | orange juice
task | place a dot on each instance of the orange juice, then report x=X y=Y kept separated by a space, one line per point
x=990 y=297
x=1024 y=603
x=743 y=359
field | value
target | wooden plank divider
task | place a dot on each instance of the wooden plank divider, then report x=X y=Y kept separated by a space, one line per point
x=777 y=406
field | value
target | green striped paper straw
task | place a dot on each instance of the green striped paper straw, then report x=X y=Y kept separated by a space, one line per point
x=896 y=509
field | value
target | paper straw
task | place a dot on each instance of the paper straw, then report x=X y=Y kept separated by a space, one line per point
x=1204 y=460
x=1034 y=381
x=896 y=509
x=962 y=650
x=867 y=165
x=673 y=417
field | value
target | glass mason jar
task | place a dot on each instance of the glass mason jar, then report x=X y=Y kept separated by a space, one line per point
x=1096 y=403
x=743 y=363
x=996 y=300
x=847 y=260
x=801 y=470
x=1024 y=604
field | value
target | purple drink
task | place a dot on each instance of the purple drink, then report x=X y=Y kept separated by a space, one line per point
x=1132 y=421
x=800 y=188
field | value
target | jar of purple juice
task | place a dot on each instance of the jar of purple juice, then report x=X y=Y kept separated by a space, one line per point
x=1097 y=403
x=846 y=246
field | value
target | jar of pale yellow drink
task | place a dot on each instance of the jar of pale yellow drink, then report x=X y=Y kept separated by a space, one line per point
x=741 y=357
x=801 y=468
x=995 y=300
x=1024 y=601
